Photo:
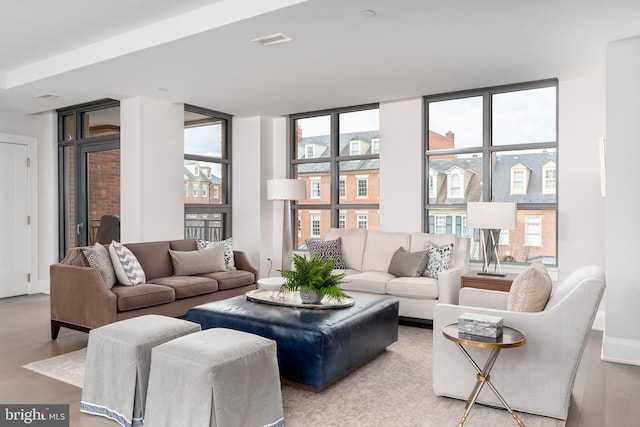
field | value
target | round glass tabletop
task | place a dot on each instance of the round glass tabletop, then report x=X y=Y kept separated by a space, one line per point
x=510 y=338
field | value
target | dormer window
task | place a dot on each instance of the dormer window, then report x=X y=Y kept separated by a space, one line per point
x=354 y=148
x=455 y=183
x=375 y=146
x=310 y=151
x=196 y=170
x=433 y=185
x=519 y=179
x=549 y=178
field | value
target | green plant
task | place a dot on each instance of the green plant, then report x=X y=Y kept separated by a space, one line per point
x=313 y=274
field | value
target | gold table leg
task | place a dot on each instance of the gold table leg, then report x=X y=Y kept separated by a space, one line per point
x=481 y=378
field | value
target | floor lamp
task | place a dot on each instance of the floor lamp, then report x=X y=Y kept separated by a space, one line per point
x=286 y=190
x=490 y=218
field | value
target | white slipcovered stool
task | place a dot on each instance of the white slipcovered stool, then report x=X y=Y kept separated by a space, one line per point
x=215 y=378
x=118 y=362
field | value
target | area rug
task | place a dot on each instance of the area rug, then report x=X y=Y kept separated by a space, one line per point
x=394 y=389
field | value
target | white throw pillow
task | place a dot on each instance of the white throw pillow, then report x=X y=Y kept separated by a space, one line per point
x=208 y=260
x=128 y=270
x=530 y=289
x=229 y=260
x=98 y=257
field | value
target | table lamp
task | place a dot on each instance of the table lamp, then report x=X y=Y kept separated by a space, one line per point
x=490 y=218
x=286 y=190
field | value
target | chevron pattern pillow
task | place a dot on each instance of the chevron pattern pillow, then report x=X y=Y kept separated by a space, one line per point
x=128 y=270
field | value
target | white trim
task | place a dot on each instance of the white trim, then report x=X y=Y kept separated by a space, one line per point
x=620 y=350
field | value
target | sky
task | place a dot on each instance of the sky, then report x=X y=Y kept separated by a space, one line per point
x=518 y=117
x=358 y=121
x=204 y=140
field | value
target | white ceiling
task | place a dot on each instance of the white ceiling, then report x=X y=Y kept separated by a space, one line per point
x=200 y=51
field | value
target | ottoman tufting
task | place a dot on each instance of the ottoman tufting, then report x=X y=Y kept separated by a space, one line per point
x=118 y=362
x=215 y=378
x=315 y=347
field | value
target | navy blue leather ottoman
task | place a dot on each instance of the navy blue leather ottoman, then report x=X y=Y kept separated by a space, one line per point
x=315 y=347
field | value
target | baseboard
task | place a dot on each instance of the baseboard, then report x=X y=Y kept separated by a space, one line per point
x=39 y=287
x=620 y=350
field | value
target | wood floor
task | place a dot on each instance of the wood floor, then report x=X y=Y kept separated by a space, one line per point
x=605 y=394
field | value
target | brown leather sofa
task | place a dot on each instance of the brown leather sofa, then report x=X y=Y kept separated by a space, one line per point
x=80 y=300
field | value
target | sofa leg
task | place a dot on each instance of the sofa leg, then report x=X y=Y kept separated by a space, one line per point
x=55 y=329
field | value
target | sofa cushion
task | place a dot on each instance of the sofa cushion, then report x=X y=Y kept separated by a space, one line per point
x=439 y=258
x=328 y=250
x=128 y=270
x=367 y=281
x=227 y=244
x=206 y=260
x=231 y=279
x=530 y=289
x=143 y=295
x=380 y=248
x=413 y=287
x=98 y=257
x=183 y=245
x=407 y=264
x=154 y=258
x=188 y=286
x=352 y=242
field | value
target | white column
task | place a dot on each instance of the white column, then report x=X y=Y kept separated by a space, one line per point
x=151 y=170
x=401 y=165
x=622 y=336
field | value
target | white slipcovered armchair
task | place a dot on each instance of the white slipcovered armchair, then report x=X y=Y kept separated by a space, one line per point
x=538 y=377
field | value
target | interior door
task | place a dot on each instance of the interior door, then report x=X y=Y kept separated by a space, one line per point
x=14 y=215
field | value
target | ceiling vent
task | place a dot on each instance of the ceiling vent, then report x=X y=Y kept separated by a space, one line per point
x=47 y=96
x=272 y=39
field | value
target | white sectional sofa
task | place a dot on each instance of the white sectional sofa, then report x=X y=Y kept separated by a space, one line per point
x=368 y=253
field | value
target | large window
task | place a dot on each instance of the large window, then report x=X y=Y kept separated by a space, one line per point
x=207 y=172
x=88 y=172
x=336 y=153
x=495 y=144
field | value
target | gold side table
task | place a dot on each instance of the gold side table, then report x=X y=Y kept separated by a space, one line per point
x=510 y=338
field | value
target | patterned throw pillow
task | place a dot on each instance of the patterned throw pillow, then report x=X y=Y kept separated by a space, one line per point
x=439 y=259
x=128 y=270
x=327 y=249
x=98 y=257
x=229 y=260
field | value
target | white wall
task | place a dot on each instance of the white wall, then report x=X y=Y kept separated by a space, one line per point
x=622 y=336
x=152 y=170
x=47 y=224
x=401 y=160
x=580 y=205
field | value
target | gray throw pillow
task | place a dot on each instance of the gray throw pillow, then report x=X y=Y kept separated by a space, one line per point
x=208 y=260
x=407 y=264
x=328 y=250
x=128 y=270
x=229 y=260
x=97 y=256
